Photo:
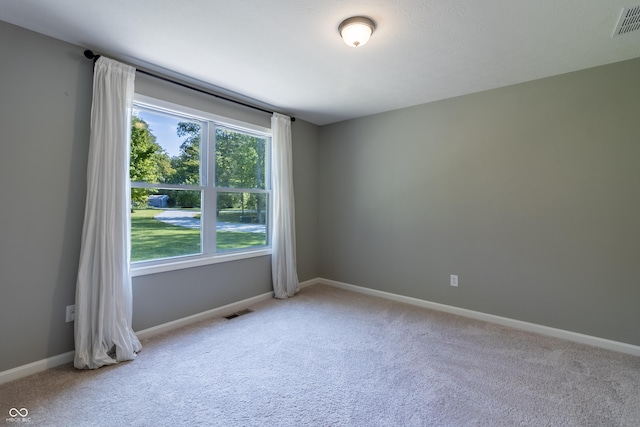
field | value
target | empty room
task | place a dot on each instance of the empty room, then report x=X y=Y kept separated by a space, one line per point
x=274 y=213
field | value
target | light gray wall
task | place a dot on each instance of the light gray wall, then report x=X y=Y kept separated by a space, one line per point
x=45 y=103
x=305 y=139
x=161 y=298
x=530 y=193
x=45 y=93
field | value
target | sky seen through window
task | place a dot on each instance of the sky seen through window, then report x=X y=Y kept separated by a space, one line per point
x=164 y=129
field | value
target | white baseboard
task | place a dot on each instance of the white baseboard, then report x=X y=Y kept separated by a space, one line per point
x=225 y=310
x=35 y=367
x=505 y=321
x=61 y=359
x=311 y=282
x=216 y=312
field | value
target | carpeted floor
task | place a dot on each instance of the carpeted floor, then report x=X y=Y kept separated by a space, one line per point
x=330 y=357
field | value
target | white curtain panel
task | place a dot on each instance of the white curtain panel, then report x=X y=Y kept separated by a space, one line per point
x=283 y=242
x=103 y=333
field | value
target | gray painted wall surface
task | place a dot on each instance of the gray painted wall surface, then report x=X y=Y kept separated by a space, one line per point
x=45 y=103
x=161 y=298
x=45 y=93
x=530 y=193
x=305 y=139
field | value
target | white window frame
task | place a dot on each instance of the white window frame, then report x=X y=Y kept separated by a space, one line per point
x=207 y=186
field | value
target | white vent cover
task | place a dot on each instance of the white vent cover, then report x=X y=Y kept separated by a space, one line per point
x=629 y=21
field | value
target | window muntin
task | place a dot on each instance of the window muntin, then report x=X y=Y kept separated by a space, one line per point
x=209 y=193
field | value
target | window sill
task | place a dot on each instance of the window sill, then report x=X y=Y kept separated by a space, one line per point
x=172 y=265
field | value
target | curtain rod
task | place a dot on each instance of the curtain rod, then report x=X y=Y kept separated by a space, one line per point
x=90 y=55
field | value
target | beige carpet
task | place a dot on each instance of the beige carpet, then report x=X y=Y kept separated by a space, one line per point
x=329 y=357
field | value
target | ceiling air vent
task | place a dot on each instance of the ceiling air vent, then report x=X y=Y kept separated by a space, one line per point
x=629 y=21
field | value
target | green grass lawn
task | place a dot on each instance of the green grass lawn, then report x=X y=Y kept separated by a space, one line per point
x=153 y=239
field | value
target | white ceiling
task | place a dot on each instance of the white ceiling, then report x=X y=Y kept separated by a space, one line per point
x=287 y=54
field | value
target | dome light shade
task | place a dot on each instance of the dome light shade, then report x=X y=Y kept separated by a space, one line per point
x=356 y=31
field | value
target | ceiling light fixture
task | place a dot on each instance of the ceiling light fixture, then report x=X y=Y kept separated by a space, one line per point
x=355 y=31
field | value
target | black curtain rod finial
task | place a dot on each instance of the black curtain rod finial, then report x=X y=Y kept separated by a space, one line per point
x=90 y=55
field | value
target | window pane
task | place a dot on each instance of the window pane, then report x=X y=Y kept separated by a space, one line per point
x=169 y=226
x=165 y=148
x=170 y=157
x=240 y=159
x=241 y=220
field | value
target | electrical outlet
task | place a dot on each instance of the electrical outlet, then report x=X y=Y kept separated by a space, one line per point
x=453 y=281
x=71 y=313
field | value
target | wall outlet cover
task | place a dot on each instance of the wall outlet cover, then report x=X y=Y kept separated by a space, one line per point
x=453 y=281
x=71 y=313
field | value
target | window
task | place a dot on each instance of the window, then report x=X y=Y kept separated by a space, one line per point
x=200 y=186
